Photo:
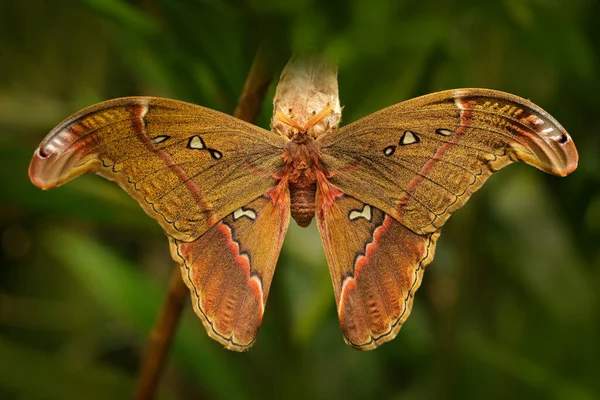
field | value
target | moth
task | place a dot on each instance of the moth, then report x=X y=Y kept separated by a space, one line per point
x=381 y=188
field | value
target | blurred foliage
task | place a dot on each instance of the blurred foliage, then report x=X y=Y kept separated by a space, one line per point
x=508 y=308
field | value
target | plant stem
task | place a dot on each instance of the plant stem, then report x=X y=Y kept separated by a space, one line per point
x=256 y=86
x=154 y=358
x=160 y=339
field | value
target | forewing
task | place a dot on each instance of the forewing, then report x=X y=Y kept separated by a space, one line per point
x=420 y=160
x=187 y=166
x=376 y=265
x=229 y=269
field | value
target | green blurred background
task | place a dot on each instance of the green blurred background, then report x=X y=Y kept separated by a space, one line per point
x=508 y=308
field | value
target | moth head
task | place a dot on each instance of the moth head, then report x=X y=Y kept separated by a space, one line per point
x=296 y=129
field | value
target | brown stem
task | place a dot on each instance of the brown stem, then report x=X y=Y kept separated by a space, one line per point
x=160 y=339
x=256 y=86
x=159 y=343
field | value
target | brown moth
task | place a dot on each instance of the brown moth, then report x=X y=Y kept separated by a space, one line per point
x=382 y=187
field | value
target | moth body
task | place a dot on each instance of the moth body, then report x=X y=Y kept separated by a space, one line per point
x=303 y=164
x=306 y=106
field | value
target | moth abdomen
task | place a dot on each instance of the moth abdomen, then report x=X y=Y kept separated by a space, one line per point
x=302 y=203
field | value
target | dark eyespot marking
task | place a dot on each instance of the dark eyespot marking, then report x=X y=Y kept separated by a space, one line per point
x=42 y=153
x=563 y=138
x=390 y=150
x=409 y=137
x=196 y=143
x=159 y=139
x=216 y=154
x=444 y=132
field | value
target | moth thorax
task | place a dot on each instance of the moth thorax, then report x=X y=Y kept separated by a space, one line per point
x=302 y=203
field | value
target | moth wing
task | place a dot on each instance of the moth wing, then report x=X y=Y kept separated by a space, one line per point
x=395 y=177
x=376 y=265
x=187 y=166
x=229 y=269
x=420 y=160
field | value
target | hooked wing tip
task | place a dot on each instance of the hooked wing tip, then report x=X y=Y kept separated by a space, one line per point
x=571 y=156
x=553 y=153
x=55 y=163
x=44 y=169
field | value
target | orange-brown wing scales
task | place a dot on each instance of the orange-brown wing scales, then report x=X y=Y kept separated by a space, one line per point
x=376 y=265
x=425 y=157
x=187 y=166
x=229 y=269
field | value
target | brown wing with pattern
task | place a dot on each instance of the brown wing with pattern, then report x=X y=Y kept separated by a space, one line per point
x=376 y=266
x=422 y=159
x=229 y=269
x=186 y=165
x=394 y=178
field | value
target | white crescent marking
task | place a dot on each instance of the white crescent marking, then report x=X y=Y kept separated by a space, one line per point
x=445 y=132
x=240 y=212
x=365 y=213
x=159 y=139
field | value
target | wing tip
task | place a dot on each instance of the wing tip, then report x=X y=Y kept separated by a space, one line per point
x=38 y=171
